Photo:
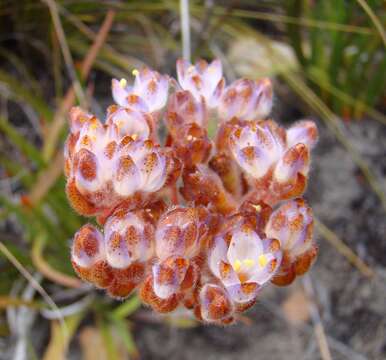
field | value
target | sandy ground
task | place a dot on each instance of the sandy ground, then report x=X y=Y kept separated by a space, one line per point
x=352 y=307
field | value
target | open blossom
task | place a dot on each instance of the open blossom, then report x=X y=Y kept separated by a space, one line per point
x=148 y=93
x=246 y=100
x=186 y=221
x=104 y=167
x=202 y=80
x=269 y=154
x=243 y=261
x=292 y=224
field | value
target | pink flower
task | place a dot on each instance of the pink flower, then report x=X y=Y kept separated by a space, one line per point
x=246 y=263
x=246 y=100
x=149 y=92
x=202 y=80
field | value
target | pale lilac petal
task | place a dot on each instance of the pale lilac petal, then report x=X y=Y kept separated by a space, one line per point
x=304 y=132
x=217 y=254
x=130 y=122
x=240 y=297
x=119 y=92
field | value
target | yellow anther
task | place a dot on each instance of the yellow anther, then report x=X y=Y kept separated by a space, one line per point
x=263 y=260
x=135 y=72
x=134 y=136
x=237 y=265
x=191 y=69
x=94 y=125
x=257 y=208
x=248 y=262
x=123 y=83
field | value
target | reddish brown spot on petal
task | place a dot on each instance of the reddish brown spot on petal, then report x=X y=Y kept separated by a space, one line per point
x=110 y=149
x=87 y=164
x=152 y=86
x=248 y=288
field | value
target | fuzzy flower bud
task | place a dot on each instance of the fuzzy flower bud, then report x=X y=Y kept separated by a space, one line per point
x=215 y=305
x=202 y=80
x=179 y=239
x=246 y=100
x=148 y=93
x=292 y=225
x=186 y=120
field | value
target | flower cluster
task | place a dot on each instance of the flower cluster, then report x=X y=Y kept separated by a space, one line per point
x=190 y=219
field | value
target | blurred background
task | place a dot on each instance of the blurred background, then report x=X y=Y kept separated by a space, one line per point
x=327 y=61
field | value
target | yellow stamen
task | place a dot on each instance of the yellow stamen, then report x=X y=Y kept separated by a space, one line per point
x=123 y=83
x=263 y=260
x=134 y=136
x=248 y=262
x=135 y=72
x=94 y=125
x=257 y=208
x=237 y=265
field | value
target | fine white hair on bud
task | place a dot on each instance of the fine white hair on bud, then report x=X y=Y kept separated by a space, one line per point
x=202 y=80
x=246 y=100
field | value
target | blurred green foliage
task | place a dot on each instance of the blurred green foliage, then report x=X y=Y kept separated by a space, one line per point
x=347 y=69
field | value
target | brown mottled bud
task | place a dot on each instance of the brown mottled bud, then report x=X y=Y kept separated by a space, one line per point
x=149 y=297
x=203 y=80
x=215 y=304
x=246 y=100
x=204 y=187
x=181 y=231
x=292 y=225
x=88 y=256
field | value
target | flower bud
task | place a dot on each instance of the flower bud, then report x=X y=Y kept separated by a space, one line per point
x=184 y=109
x=246 y=100
x=202 y=80
x=88 y=257
x=180 y=232
x=215 y=304
x=203 y=186
x=292 y=225
x=129 y=238
x=130 y=122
